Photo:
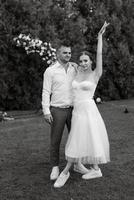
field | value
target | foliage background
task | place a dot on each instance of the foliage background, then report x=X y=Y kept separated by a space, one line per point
x=77 y=21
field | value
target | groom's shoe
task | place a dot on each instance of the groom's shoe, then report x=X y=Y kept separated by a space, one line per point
x=80 y=168
x=93 y=173
x=55 y=173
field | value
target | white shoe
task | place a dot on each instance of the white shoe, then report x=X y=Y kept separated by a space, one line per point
x=80 y=168
x=93 y=173
x=61 y=180
x=55 y=173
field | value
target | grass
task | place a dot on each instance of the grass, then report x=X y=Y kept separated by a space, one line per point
x=25 y=167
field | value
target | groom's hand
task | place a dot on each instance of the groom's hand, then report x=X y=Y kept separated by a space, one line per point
x=48 y=118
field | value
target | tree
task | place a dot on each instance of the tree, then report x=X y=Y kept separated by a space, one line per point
x=76 y=21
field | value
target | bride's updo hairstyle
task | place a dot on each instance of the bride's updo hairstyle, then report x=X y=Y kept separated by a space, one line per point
x=87 y=54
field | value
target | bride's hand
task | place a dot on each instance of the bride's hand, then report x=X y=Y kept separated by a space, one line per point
x=102 y=30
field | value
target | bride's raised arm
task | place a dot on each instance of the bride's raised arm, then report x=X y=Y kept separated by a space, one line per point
x=98 y=69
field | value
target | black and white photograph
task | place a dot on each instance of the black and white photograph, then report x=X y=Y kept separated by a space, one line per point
x=66 y=100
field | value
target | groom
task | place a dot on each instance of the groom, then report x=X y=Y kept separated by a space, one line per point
x=57 y=103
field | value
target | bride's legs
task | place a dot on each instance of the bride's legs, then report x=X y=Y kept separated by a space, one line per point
x=68 y=166
x=95 y=166
x=80 y=168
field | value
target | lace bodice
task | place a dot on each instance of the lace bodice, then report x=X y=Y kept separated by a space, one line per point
x=83 y=90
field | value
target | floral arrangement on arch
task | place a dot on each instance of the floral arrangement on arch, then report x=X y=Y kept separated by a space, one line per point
x=31 y=45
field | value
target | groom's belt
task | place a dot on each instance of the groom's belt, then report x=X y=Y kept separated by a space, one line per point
x=67 y=106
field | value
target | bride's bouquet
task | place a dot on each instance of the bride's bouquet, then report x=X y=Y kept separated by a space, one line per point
x=35 y=45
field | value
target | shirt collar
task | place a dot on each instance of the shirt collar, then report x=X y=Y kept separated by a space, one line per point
x=60 y=66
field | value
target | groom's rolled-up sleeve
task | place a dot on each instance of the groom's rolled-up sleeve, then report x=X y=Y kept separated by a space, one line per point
x=46 y=91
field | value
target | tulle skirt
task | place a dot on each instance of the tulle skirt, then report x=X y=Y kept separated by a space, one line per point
x=88 y=140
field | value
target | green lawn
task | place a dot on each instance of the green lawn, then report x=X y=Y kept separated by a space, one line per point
x=25 y=167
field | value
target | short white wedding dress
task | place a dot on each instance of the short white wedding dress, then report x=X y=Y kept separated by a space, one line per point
x=88 y=140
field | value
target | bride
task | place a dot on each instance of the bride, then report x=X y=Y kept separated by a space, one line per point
x=88 y=141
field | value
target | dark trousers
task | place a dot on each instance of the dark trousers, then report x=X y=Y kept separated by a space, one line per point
x=61 y=117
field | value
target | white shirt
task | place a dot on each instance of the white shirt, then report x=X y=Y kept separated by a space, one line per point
x=57 y=84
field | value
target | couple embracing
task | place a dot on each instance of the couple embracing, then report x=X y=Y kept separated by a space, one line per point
x=67 y=99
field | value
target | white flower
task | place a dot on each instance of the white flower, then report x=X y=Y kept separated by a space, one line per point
x=31 y=45
x=31 y=51
x=14 y=39
x=4 y=114
x=41 y=53
x=36 y=40
x=48 y=51
x=24 y=43
x=20 y=36
x=18 y=43
x=53 y=53
x=28 y=37
x=43 y=48
x=39 y=43
x=26 y=48
x=48 y=62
